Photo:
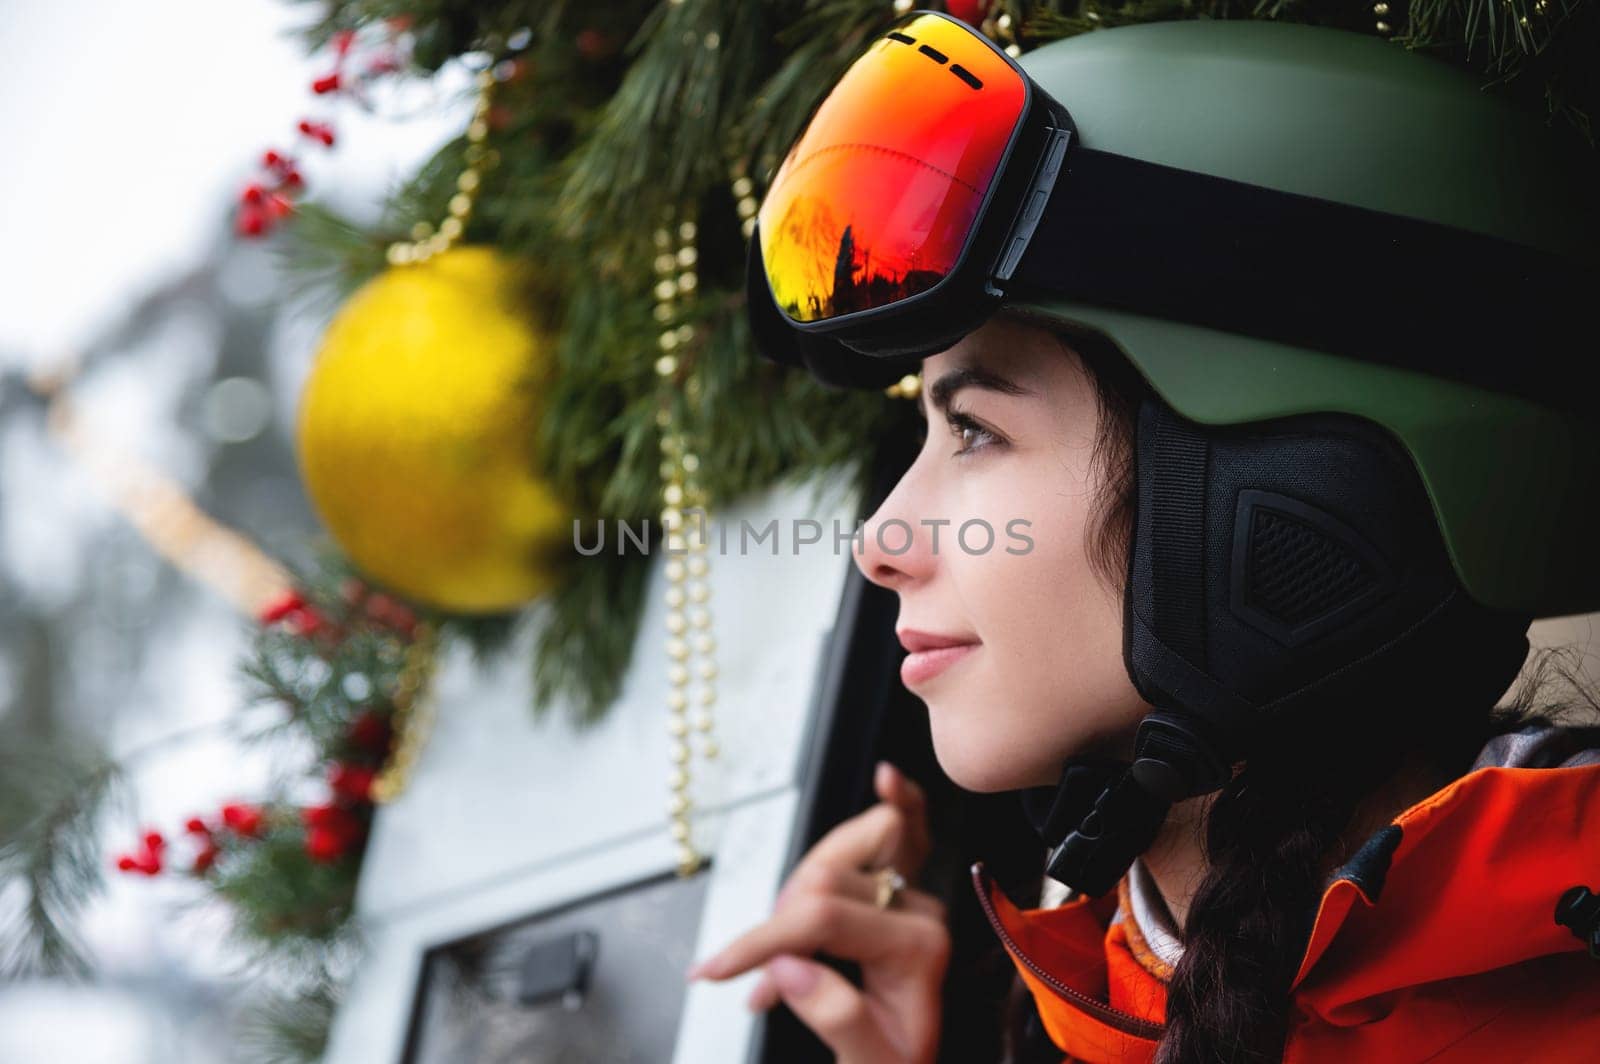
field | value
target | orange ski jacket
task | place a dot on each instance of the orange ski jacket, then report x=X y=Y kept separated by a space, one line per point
x=1436 y=941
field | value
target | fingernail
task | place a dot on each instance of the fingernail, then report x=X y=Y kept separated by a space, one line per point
x=701 y=967
x=793 y=976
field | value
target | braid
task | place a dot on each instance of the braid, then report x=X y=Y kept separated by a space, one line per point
x=1276 y=832
x=1267 y=836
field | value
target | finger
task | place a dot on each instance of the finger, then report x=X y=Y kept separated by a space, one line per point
x=856 y=885
x=897 y=788
x=893 y=785
x=764 y=996
x=871 y=839
x=831 y=924
x=832 y=1007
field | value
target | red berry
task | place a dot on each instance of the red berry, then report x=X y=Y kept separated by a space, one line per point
x=292 y=179
x=370 y=732
x=148 y=863
x=281 y=606
x=205 y=859
x=351 y=782
x=126 y=863
x=595 y=44
x=391 y=613
x=332 y=817
x=968 y=11
x=343 y=40
x=195 y=826
x=325 y=845
x=278 y=206
x=252 y=194
x=244 y=819
x=154 y=842
x=271 y=160
x=326 y=84
x=252 y=221
x=307 y=622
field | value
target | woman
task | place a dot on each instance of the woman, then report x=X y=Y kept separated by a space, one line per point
x=1243 y=670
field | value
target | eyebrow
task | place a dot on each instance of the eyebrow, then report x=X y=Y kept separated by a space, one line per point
x=971 y=377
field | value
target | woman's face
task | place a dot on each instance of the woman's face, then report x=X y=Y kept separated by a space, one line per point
x=1038 y=676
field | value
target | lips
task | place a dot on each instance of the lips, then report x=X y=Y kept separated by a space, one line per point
x=931 y=653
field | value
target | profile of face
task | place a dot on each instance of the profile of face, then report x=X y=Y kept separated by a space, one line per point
x=1016 y=639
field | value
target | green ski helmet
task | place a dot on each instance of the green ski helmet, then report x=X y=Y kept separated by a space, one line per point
x=1356 y=119
x=1349 y=119
x=1312 y=525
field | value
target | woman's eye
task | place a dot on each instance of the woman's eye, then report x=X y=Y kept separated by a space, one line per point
x=972 y=435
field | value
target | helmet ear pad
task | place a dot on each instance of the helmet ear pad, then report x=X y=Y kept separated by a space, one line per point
x=1289 y=577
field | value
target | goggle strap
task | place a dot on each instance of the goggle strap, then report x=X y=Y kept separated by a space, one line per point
x=1172 y=243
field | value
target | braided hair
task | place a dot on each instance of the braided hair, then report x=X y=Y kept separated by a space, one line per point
x=1274 y=834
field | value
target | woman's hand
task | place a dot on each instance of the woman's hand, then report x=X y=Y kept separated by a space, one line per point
x=827 y=904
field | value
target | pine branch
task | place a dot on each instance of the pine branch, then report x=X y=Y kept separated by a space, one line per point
x=324 y=257
x=288 y=912
x=661 y=138
x=52 y=799
x=289 y=1028
x=586 y=633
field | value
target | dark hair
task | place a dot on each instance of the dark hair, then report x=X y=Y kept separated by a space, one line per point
x=1119 y=390
x=1274 y=833
x=1272 y=837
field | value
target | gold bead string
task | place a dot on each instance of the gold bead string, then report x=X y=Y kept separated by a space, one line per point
x=413 y=714
x=744 y=199
x=907 y=387
x=691 y=646
x=426 y=239
x=1003 y=27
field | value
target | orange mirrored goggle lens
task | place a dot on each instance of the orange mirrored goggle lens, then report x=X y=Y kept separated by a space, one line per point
x=878 y=198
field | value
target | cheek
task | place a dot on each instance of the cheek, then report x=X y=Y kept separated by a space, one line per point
x=1052 y=630
x=1033 y=591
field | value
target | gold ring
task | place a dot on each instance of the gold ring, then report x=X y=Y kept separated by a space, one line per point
x=890 y=883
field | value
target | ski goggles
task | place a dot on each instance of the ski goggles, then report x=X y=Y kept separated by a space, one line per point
x=937 y=180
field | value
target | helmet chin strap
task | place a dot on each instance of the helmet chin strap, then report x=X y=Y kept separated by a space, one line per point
x=1105 y=812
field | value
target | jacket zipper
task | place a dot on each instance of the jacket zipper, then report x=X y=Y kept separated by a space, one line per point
x=1115 y=1018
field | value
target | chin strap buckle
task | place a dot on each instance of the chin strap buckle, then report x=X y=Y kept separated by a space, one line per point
x=1173 y=760
x=1579 y=912
x=1122 y=824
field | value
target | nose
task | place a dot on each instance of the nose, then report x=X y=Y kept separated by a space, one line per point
x=897 y=549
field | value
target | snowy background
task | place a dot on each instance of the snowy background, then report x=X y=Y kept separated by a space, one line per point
x=127 y=132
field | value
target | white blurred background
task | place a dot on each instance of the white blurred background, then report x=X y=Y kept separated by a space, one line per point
x=126 y=134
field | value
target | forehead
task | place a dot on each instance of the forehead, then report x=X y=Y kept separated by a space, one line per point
x=1027 y=354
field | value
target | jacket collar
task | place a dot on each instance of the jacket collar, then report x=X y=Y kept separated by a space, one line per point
x=1468 y=879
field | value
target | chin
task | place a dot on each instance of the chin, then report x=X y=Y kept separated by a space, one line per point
x=981 y=761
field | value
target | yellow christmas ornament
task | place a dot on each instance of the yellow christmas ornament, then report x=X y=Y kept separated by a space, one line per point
x=414 y=434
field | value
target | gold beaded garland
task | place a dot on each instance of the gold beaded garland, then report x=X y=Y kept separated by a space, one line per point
x=907 y=387
x=428 y=240
x=675 y=260
x=413 y=715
